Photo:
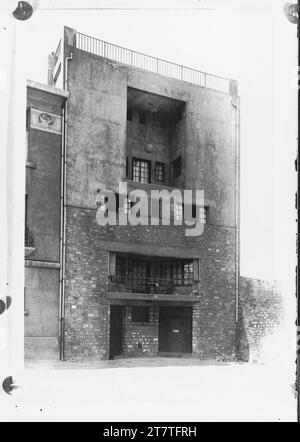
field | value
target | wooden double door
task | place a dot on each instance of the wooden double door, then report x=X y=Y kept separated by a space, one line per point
x=175 y=330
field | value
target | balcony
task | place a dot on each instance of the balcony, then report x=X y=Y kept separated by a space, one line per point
x=159 y=289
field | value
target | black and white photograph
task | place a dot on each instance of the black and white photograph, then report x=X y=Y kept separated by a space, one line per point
x=148 y=223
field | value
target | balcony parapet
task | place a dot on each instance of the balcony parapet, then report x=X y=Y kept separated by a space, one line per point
x=127 y=287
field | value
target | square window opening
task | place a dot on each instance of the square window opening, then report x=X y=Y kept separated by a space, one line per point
x=141 y=170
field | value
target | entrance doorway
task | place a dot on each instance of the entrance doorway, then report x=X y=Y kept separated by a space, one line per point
x=175 y=330
x=115 y=336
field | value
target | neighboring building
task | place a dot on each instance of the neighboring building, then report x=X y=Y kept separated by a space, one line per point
x=262 y=314
x=94 y=292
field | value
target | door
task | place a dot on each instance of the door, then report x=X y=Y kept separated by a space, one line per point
x=175 y=330
x=115 y=337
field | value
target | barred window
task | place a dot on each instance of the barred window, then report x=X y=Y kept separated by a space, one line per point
x=139 y=269
x=166 y=270
x=159 y=171
x=141 y=171
x=121 y=266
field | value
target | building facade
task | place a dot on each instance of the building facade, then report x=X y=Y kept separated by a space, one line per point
x=108 y=116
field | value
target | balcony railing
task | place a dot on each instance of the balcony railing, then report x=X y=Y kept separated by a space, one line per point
x=28 y=238
x=130 y=284
x=151 y=64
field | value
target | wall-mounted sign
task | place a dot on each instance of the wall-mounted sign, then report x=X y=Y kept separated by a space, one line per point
x=45 y=121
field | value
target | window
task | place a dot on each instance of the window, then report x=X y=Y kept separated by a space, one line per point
x=176 y=167
x=157 y=123
x=25 y=302
x=159 y=172
x=178 y=212
x=26 y=209
x=140 y=314
x=142 y=118
x=180 y=272
x=129 y=114
x=127 y=167
x=134 y=273
x=57 y=74
x=27 y=130
x=188 y=273
x=141 y=171
x=101 y=201
x=202 y=213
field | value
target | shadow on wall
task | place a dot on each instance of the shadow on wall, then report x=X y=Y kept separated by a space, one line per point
x=261 y=314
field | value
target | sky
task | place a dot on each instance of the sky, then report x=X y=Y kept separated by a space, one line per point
x=250 y=41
